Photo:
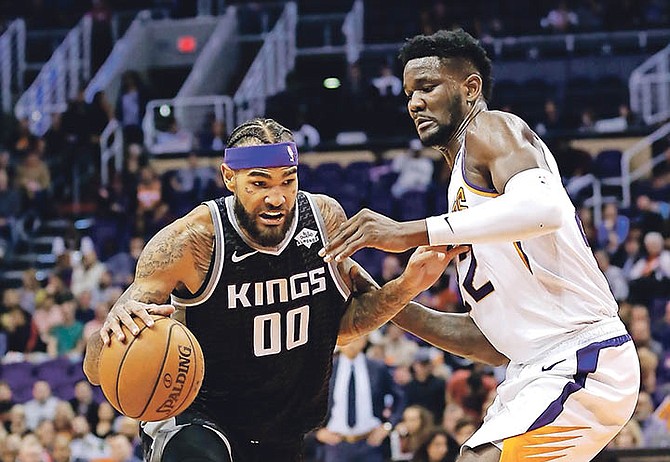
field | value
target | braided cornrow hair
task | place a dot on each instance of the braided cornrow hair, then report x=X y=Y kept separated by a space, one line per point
x=259 y=131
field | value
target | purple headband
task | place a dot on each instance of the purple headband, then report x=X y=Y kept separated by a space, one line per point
x=262 y=155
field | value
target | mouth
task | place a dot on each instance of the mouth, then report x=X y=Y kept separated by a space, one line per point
x=272 y=218
x=422 y=123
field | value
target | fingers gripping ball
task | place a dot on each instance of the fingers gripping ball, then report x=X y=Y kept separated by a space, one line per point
x=154 y=375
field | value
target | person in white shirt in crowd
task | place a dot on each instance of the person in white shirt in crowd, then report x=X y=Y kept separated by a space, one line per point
x=386 y=83
x=415 y=172
x=42 y=406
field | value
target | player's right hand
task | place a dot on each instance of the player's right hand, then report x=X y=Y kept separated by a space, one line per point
x=122 y=313
x=328 y=437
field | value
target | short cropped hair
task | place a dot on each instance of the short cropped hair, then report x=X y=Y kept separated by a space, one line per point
x=259 y=131
x=451 y=44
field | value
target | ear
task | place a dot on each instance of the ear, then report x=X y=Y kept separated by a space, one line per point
x=228 y=177
x=473 y=87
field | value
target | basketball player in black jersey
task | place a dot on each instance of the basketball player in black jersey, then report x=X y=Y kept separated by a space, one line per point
x=244 y=274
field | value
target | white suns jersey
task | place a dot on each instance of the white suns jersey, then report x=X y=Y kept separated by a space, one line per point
x=528 y=296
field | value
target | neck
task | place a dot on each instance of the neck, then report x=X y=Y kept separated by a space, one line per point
x=453 y=145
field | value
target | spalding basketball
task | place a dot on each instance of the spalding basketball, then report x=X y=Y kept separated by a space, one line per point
x=154 y=375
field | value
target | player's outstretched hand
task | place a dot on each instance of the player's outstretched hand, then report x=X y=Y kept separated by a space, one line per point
x=365 y=229
x=122 y=313
x=427 y=264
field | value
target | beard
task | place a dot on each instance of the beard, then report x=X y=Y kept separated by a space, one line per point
x=265 y=236
x=444 y=132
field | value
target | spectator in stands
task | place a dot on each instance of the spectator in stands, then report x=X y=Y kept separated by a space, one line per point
x=306 y=135
x=6 y=404
x=10 y=208
x=34 y=181
x=87 y=271
x=131 y=105
x=550 y=120
x=354 y=427
x=83 y=403
x=28 y=290
x=640 y=331
x=410 y=433
x=46 y=434
x=453 y=413
x=436 y=448
x=41 y=406
x=174 y=139
x=130 y=428
x=61 y=450
x=627 y=255
x=470 y=389
x=31 y=450
x=122 y=265
x=100 y=112
x=214 y=138
x=120 y=449
x=67 y=338
x=150 y=207
x=106 y=416
x=63 y=418
x=560 y=19
x=587 y=120
x=464 y=429
x=94 y=325
x=400 y=350
x=10 y=448
x=590 y=15
x=23 y=139
x=415 y=172
x=614 y=275
x=612 y=222
x=653 y=422
x=426 y=389
x=18 y=424
x=85 y=445
x=17 y=323
x=650 y=276
x=192 y=179
x=648 y=215
x=661 y=328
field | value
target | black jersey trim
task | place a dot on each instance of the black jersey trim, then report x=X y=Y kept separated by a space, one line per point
x=342 y=287
x=215 y=267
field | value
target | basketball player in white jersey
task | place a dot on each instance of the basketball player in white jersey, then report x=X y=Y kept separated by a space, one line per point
x=530 y=279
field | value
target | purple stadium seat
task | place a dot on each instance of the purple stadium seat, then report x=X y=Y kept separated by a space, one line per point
x=607 y=164
x=55 y=371
x=18 y=373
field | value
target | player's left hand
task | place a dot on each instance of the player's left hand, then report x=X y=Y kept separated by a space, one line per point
x=367 y=229
x=426 y=265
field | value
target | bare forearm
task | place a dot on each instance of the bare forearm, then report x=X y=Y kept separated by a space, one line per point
x=452 y=332
x=370 y=310
x=92 y=358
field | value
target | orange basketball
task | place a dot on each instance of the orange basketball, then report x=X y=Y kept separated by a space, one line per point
x=154 y=375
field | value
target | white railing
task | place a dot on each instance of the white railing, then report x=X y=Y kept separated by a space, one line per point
x=649 y=86
x=190 y=114
x=267 y=74
x=60 y=79
x=12 y=62
x=595 y=201
x=353 y=31
x=111 y=147
x=628 y=176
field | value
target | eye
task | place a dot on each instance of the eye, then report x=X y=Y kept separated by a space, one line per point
x=259 y=184
x=288 y=182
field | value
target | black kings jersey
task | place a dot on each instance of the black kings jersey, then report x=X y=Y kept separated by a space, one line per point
x=267 y=322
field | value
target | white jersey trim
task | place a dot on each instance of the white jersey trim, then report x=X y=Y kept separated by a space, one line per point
x=217 y=269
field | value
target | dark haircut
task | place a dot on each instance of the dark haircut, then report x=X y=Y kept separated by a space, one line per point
x=450 y=44
x=259 y=131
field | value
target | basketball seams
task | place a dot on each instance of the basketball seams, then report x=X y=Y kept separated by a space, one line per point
x=118 y=372
x=159 y=376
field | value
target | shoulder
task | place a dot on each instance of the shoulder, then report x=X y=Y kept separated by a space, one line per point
x=332 y=212
x=493 y=131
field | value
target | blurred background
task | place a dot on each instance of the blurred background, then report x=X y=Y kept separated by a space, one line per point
x=115 y=114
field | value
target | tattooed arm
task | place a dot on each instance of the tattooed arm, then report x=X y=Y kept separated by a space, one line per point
x=371 y=309
x=177 y=257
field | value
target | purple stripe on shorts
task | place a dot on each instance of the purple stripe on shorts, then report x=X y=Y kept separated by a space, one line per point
x=587 y=359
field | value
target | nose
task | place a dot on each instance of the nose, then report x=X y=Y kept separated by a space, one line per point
x=275 y=197
x=415 y=104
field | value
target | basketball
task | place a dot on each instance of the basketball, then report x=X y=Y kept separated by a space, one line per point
x=154 y=375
